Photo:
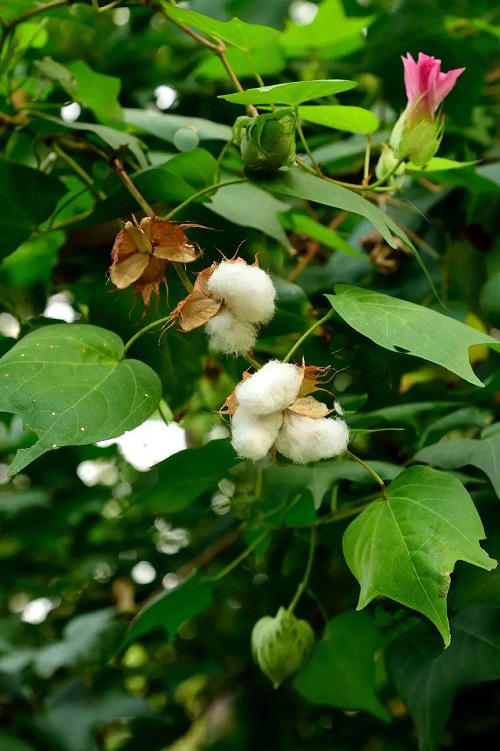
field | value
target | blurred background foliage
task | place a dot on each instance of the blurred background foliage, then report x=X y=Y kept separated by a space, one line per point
x=86 y=534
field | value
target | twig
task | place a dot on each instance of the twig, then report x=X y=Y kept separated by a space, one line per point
x=117 y=165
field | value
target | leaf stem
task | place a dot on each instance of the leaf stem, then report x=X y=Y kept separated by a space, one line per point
x=315 y=325
x=241 y=557
x=308 y=151
x=117 y=165
x=305 y=579
x=183 y=277
x=370 y=470
x=366 y=170
x=143 y=331
x=252 y=361
x=78 y=169
x=202 y=192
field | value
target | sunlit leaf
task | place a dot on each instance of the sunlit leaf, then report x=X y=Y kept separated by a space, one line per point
x=70 y=385
x=402 y=326
x=241 y=34
x=290 y=93
x=351 y=119
x=406 y=547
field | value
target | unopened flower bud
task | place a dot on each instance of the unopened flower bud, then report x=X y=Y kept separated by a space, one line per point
x=266 y=142
x=281 y=644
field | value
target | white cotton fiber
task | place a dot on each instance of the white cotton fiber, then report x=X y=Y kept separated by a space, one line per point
x=246 y=290
x=228 y=335
x=253 y=436
x=308 y=439
x=273 y=388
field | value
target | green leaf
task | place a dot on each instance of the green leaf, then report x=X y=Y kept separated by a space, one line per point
x=341 y=669
x=428 y=677
x=290 y=93
x=329 y=28
x=438 y=164
x=155 y=184
x=56 y=72
x=172 y=608
x=249 y=206
x=267 y=60
x=482 y=453
x=27 y=197
x=117 y=139
x=304 y=225
x=351 y=119
x=399 y=326
x=406 y=547
x=69 y=384
x=476 y=588
x=300 y=184
x=96 y=91
x=246 y=36
x=319 y=479
x=166 y=126
x=189 y=474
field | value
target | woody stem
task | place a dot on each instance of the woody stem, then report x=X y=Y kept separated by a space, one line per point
x=120 y=171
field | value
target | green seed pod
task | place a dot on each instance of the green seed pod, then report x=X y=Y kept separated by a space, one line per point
x=417 y=141
x=267 y=142
x=186 y=139
x=281 y=644
x=386 y=163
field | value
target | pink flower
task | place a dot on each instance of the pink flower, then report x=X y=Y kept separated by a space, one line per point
x=426 y=85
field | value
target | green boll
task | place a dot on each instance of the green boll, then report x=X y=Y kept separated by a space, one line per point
x=386 y=164
x=418 y=141
x=186 y=139
x=281 y=644
x=266 y=142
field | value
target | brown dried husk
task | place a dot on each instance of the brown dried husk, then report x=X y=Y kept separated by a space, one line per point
x=144 y=269
x=309 y=407
x=198 y=307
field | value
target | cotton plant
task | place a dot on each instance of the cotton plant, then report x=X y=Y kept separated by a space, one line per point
x=273 y=410
x=231 y=299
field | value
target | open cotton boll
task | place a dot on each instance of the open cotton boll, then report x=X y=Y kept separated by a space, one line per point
x=246 y=290
x=309 y=439
x=273 y=388
x=253 y=436
x=228 y=335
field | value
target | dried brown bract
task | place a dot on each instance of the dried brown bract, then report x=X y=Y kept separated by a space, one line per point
x=142 y=251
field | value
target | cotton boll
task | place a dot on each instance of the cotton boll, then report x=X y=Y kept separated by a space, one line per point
x=228 y=335
x=246 y=290
x=253 y=436
x=273 y=388
x=308 y=439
